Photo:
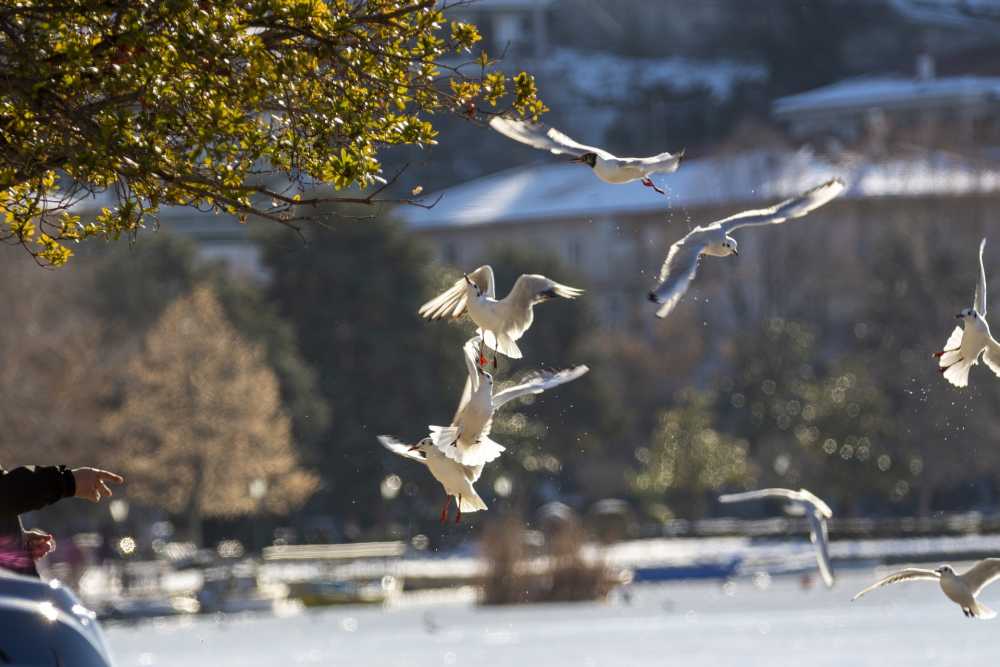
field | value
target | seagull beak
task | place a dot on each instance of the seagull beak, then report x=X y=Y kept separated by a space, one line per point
x=413 y=447
x=736 y=252
x=578 y=158
x=466 y=276
x=959 y=316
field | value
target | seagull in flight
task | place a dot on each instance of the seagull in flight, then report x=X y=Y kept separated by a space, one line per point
x=456 y=478
x=713 y=239
x=606 y=166
x=501 y=322
x=815 y=510
x=964 y=346
x=962 y=589
x=467 y=440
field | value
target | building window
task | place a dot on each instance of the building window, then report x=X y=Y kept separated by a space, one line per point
x=510 y=31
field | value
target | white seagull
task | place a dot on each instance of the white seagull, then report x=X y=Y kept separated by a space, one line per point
x=501 y=322
x=961 y=589
x=713 y=239
x=964 y=346
x=815 y=510
x=467 y=439
x=456 y=478
x=606 y=166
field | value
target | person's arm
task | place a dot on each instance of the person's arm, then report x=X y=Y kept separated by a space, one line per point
x=30 y=488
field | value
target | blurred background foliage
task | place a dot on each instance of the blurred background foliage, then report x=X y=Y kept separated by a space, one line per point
x=770 y=387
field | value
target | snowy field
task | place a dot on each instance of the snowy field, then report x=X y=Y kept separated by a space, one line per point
x=747 y=622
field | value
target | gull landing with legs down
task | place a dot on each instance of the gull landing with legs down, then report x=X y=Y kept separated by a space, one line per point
x=964 y=346
x=467 y=440
x=457 y=479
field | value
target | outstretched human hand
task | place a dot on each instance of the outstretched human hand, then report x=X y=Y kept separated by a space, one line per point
x=91 y=483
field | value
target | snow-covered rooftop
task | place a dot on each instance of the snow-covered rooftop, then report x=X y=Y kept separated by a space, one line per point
x=868 y=92
x=614 y=78
x=982 y=14
x=557 y=190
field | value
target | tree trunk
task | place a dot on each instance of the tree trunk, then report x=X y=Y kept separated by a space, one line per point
x=193 y=511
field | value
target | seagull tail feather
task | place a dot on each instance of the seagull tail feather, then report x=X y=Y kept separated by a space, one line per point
x=979 y=610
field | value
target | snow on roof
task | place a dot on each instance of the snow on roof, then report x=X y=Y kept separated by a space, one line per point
x=616 y=77
x=962 y=13
x=557 y=191
x=892 y=91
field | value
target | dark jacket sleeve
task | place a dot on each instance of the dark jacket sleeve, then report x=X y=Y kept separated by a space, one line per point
x=33 y=487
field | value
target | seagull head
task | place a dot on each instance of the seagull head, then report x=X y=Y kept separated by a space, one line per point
x=731 y=246
x=589 y=159
x=420 y=446
x=468 y=281
x=945 y=569
x=968 y=314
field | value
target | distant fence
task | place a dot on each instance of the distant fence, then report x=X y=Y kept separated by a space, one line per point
x=951 y=524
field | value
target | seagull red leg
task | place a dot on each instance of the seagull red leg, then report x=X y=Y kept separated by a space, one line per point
x=458 y=512
x=648 y=182
x=444 y=508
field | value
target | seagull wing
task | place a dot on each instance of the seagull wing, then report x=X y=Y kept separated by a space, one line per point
x=451 y=303
x=908 y=574
x=543 y=137
x=817 y=503
x=786 y=210
x=820 y=538
x=677 y=272
x=992 y=356
x=982 y=574
x=397 y=447
x=787 y=494
x=470 y=351
x=980 y=301
x=528 y=290
x=662 y=163
x=472 y=473
x=537 y=382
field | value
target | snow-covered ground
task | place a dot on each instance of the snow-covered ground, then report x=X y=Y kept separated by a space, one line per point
x=752 y=621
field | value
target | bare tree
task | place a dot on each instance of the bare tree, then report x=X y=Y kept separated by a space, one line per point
x=202 y=421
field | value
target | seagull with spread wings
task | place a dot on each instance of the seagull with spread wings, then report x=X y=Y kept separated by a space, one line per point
x=815 y=510
x=964 y=346
x=501 y=322
x=962 y=589
x=713 y=239
x=467 y=439
x=607 y=167
x=456 y=478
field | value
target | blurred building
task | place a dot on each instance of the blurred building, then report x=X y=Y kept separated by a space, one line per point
x=965 y=14
x=956 y=109
x=614 y=238
x=513 y=28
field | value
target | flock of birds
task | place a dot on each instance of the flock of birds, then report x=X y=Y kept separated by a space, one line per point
x=456 y=454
